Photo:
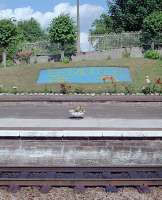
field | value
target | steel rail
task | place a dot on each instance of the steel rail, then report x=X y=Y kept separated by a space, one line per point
x=47 y=177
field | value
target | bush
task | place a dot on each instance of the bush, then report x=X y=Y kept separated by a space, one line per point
x=128 y=89
x=66 y=60
x=64 y=88
x=9 y=63
x=152 y=54
x=14 y=90
x=152 y=88
x=47 y=90
x=78 y=90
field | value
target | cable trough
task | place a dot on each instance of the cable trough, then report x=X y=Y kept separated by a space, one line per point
x=81 y=177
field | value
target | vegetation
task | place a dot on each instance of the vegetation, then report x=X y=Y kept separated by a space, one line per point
x=24 y=77
x=8 y=36
x=152 y=54
x=152 y=28
x=62 y=32
x=30 y=30
x=126 y=15
x=102 y=25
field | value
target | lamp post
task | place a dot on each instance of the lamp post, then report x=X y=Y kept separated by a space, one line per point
x=78 y=26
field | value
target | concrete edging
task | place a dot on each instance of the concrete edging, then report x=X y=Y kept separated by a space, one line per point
x=68 y=133
x=79 y=98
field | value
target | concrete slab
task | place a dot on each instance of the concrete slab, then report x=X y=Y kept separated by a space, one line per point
x=87 y=123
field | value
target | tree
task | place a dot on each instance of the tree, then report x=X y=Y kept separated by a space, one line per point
x=102 y=25
x=152 y=28
x=8 y=36
x=128 y=15
x=30 y=30
x=62 y=31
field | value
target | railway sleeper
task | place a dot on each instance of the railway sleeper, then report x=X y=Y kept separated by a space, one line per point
x=44 y=189
x=111 y=188
x=80 y=188
x=143 y=189
x=13 y=188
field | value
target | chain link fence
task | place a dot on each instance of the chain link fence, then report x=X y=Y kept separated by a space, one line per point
x=122 y=40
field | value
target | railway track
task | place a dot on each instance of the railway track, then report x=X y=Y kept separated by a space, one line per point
x=81 y=177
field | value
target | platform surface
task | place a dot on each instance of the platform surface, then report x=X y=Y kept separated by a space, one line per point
x=108 y=116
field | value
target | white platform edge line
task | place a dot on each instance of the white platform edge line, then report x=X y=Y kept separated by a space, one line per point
x=10 y=133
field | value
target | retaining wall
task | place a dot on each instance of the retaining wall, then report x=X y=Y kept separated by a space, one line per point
x=20 y=152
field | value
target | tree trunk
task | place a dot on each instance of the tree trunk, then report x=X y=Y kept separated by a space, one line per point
x=153 y=45
x=62 y=55
x=4 y=56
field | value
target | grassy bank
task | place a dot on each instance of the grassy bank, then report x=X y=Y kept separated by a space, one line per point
x=24 y=77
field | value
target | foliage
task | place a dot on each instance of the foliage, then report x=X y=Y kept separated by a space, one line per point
x=70 y=50
x=128 y=15
x=47 y=90
x=62 y=31
x=151 y=88
x=8 y=33
x=102 y=25
x=66 y=60
x=9 y=63
x=152 y=54
x=64 y=88
x=152 y=28
x=8 y=36
x=125 y=15
x=30 y=30
x=1 y=89
x=78 y=90
x=129 y=89
x=14 y=90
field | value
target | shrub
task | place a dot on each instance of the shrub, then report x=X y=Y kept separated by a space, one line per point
x=66 y=60
x=152 y=54
x=128 y=89
x=64 y=88
x=155 y=88
x=78 y=90
x=14 y=90
x=47 y=90
x=9 y=63
x=152 y=88
x=146 y=90
x=1 y=89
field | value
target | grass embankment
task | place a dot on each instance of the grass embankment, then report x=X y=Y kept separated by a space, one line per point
x=24 y=77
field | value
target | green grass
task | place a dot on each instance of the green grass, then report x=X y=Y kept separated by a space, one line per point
x=24 y=77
